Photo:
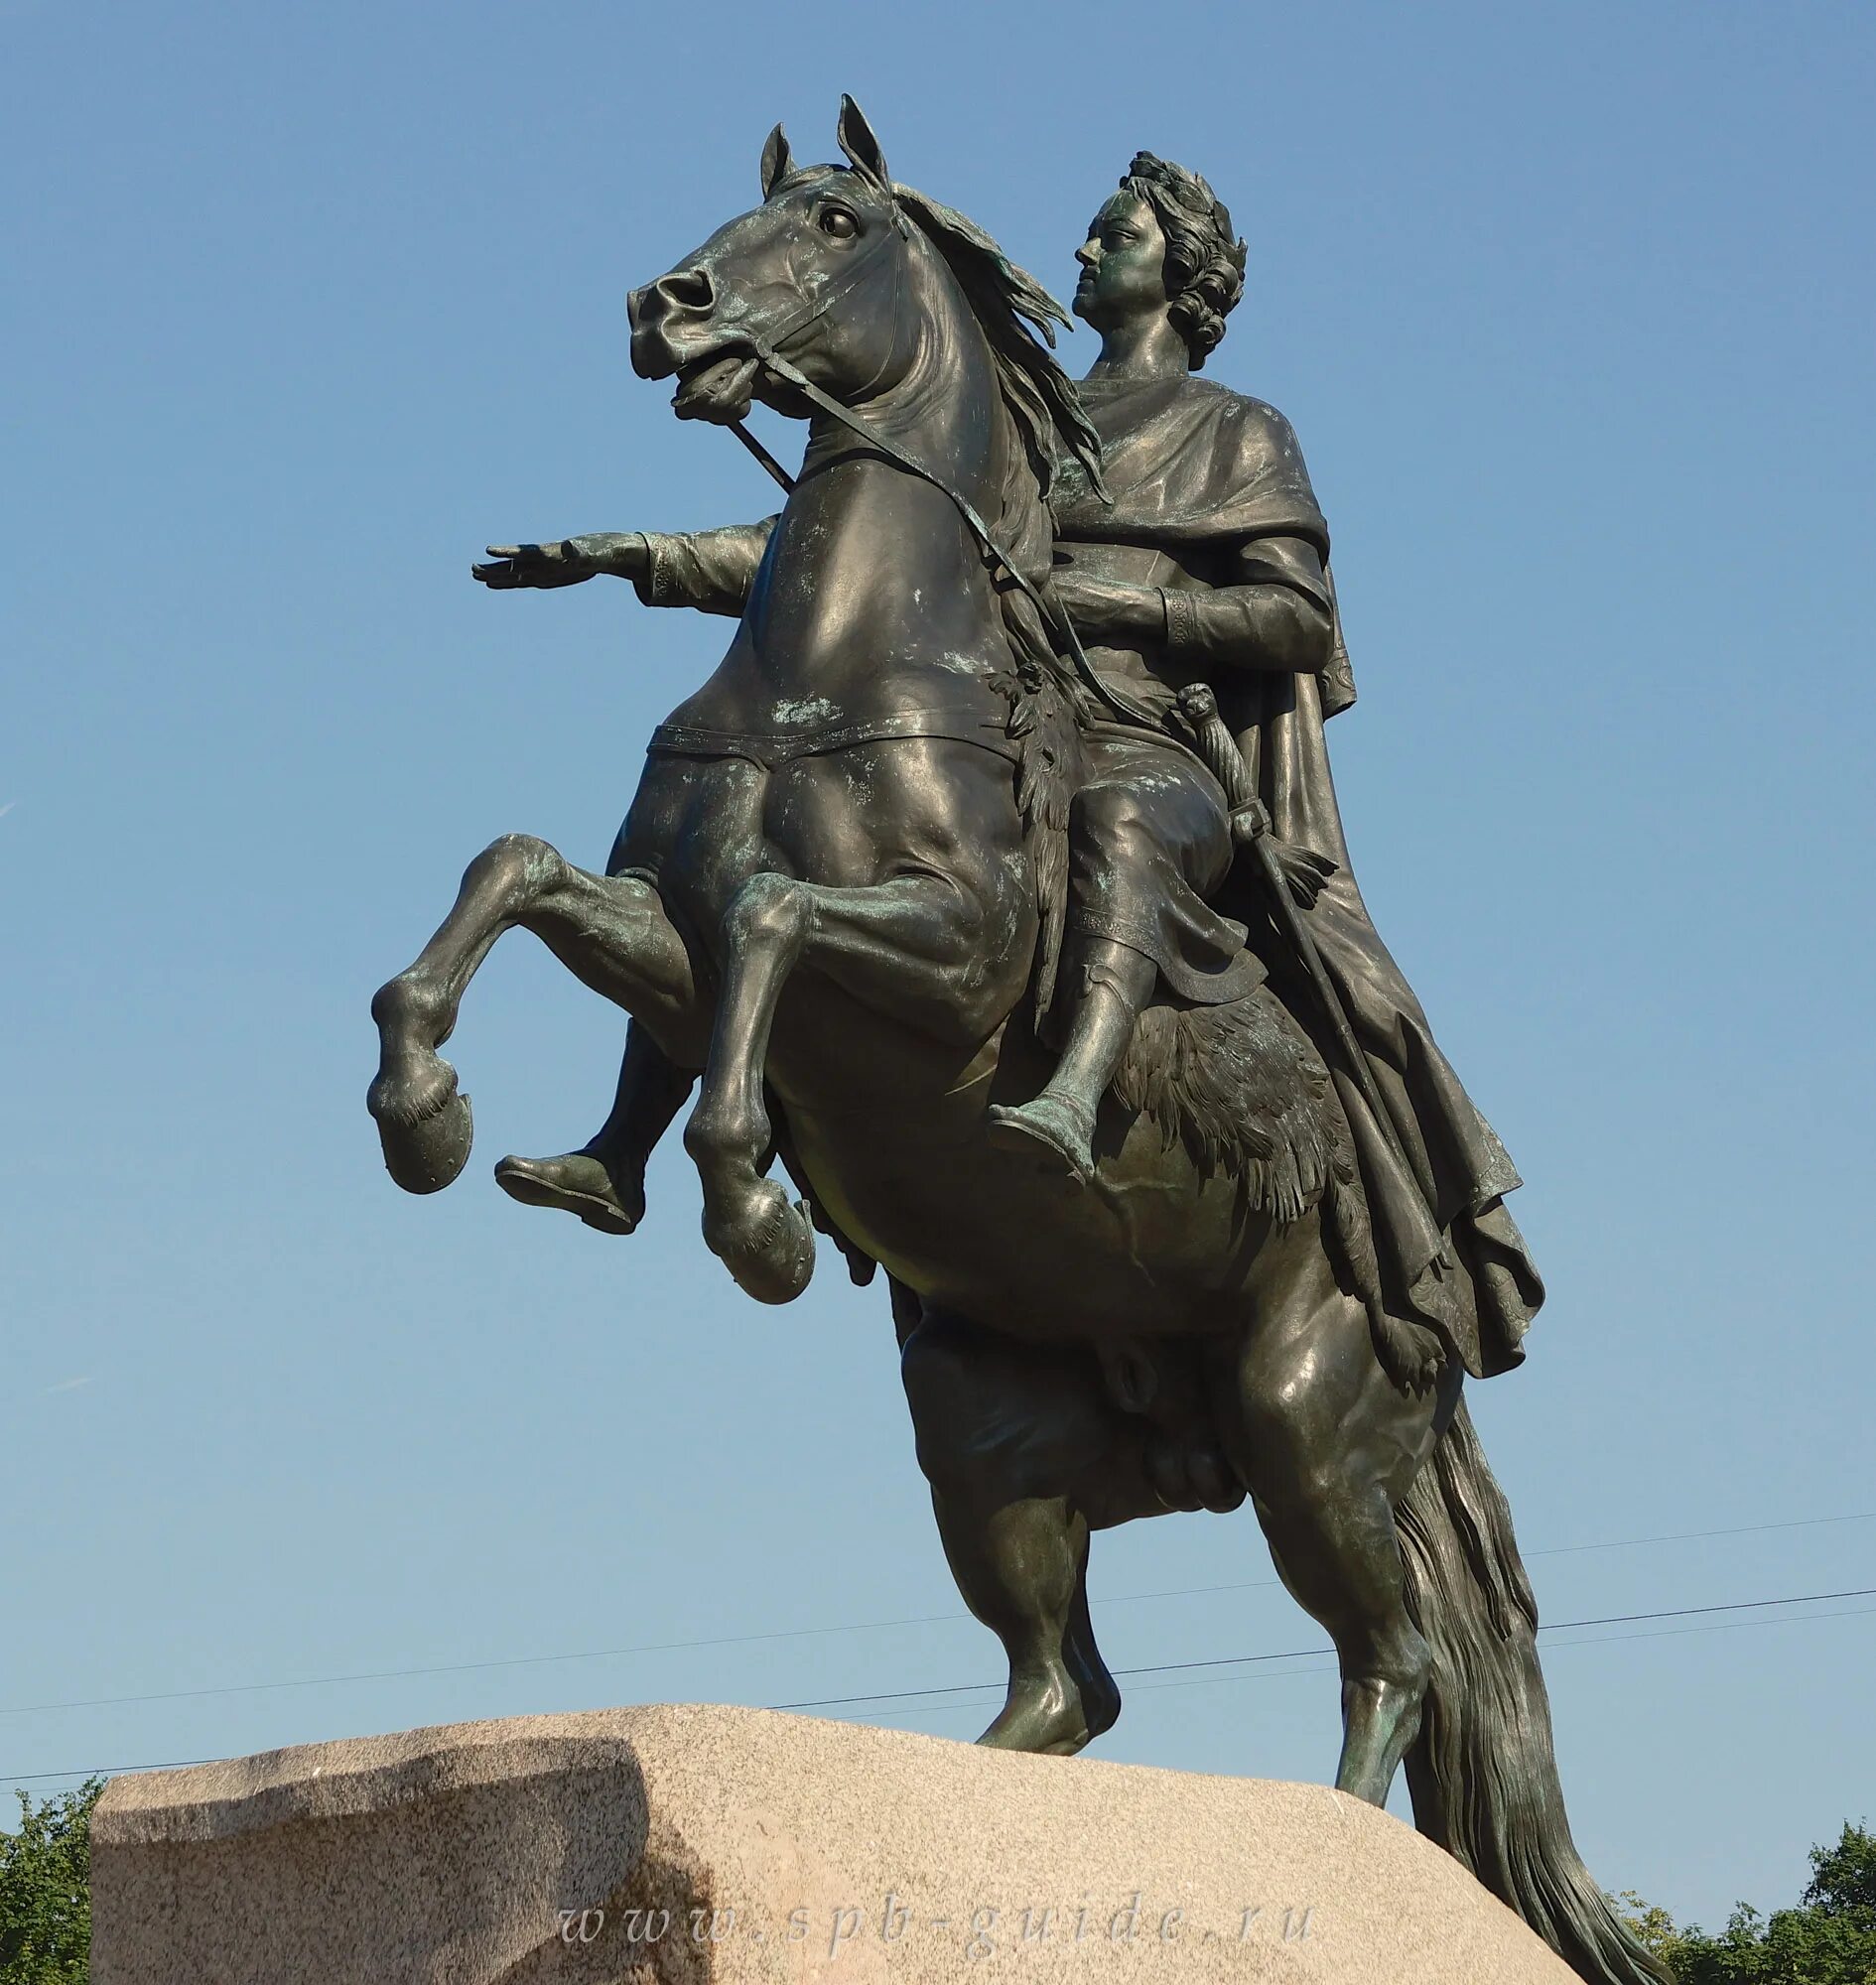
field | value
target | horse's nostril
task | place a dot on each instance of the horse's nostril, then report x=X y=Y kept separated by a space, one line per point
x=688 y=288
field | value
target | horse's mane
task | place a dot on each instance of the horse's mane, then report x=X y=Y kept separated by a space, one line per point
x=1018 y=318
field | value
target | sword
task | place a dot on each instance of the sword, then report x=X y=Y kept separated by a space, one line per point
x=1251 y=828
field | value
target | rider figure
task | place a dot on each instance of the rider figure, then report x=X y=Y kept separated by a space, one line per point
x=1204 y=561
x=1149 y=840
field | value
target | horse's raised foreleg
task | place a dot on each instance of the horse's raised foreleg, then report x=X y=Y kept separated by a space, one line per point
x=611 y=931
x=914 y=935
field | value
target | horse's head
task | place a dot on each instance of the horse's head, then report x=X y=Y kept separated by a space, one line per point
x=769 y=281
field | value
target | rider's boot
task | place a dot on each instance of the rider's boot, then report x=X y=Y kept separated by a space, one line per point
x=1117 y=981
x=601 y=1185
x=604 y=1182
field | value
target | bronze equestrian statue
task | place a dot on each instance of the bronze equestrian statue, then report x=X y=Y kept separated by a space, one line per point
x=932 y=886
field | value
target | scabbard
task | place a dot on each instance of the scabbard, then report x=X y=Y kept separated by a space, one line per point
x=1251 y=828
x=1289 y=917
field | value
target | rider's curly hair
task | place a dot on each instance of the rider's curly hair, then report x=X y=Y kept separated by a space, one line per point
x=1204 y=260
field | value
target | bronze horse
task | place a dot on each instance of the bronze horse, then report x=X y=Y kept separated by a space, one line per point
x=840 y=870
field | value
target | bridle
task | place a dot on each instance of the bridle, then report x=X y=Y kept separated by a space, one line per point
x=767 y=349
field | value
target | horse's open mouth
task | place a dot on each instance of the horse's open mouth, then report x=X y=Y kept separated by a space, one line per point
x=716 y=390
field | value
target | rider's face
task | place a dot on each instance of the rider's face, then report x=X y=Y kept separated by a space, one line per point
x=1122 y=265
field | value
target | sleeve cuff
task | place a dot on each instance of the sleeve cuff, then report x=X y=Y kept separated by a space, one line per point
x=1181 y=619
x=657 y=588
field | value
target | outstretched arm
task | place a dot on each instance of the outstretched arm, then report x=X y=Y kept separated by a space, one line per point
x=712 y=570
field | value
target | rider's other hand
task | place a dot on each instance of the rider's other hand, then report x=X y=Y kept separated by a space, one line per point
x=1106 y=608
x=561 y=562
x=1303 y=869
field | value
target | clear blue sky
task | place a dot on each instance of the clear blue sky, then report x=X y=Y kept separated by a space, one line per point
x=1571 y=309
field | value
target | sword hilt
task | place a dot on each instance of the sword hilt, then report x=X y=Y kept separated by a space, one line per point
x=1250 y=817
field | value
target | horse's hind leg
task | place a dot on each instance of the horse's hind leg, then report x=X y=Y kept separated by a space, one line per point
x=1327 y=1445
x=1013 y=1438
x=611 y=931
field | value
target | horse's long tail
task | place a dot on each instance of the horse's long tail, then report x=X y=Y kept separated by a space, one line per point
x=1483 y=1770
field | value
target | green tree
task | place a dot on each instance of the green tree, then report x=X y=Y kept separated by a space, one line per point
x=46 y=1890
x=1829 y=1938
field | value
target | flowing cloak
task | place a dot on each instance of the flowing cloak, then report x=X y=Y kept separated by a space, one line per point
x=1217 y=483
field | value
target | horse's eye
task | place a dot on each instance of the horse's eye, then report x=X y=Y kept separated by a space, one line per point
x=837 y=222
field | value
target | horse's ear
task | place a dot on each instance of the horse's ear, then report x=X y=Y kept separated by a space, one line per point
x=776 y=163
x=862 y=147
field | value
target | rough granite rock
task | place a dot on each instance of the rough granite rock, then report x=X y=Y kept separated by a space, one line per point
x=549 y=1848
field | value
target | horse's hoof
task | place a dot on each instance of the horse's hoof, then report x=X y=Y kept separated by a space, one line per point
x=768 y=1245
x=426 y=1137
x=1055 y=1718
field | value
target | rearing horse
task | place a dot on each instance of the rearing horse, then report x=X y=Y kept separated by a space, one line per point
x=830 y=890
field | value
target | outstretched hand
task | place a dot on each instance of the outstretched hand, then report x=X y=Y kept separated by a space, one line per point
x=555 y=564
x=563 y=561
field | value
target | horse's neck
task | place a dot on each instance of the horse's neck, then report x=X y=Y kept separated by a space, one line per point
x=947 y=409
x=945 y=414
x=877 y=596
x=891 y=544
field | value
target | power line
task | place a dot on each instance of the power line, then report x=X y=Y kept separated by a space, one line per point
x=1175 y=1667
x=1300 y=1653
x=1329 y=1668
x=806 y=1633
x=110 y=1771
